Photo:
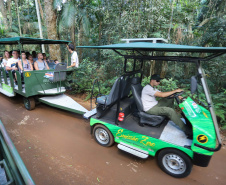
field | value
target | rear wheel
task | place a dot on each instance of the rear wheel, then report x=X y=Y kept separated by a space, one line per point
x=103 y=136
x=175 y=163
x=29 y=103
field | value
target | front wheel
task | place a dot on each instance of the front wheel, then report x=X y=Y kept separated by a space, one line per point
x=103 y=136
x=175 y=163
x=29 y=103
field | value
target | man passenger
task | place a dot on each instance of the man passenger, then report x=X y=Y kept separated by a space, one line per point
x=163 y=107
x=40 y=64
x=12 y=63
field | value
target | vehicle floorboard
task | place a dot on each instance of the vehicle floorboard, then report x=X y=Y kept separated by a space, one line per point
x=131 y=123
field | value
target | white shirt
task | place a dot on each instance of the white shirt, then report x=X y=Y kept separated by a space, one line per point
x=4 y=61
x=12 y=62
x=148 y=97
x=74 y=59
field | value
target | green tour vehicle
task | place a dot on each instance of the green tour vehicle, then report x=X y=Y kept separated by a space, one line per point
x=47 y=86
x=12 y=169
x=119 y=116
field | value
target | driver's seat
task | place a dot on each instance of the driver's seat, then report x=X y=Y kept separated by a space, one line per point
x=145 y=118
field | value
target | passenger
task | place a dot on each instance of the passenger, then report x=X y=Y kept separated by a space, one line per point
x=31 y=61
x=12 y=62
x=27 y=66
x=55 y=63
x=40 y=64
x=163 y=107
x=74 y=56
x=27 y=54
x=45 y=58
x=6 y=57
x=10 y=54
x=34 y=55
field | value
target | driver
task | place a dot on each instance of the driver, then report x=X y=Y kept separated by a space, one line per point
x=164 y=107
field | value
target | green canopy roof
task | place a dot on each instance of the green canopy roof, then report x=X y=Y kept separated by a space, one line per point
x=146 y=46
x=28 y=40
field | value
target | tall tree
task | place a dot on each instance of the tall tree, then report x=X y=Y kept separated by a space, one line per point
x=4 y=14
x=51 y=20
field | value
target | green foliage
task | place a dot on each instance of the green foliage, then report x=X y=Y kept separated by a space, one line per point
x=220 y=107
x=84 y=77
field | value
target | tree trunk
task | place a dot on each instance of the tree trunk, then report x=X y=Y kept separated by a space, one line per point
x=51 y=20
x=73 y=33
x=80 y=40
x=40 y=9
x=171 y=19
x=9 y=2
x=18 y=16
x=4 y=14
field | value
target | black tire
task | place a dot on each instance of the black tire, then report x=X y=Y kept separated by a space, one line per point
x=103 y=136
x=175 y=163
x=29 y=103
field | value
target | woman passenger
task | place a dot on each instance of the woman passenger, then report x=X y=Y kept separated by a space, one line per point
x=45 y=58
x=30 y=60
x=6 y=57
x=27 y=66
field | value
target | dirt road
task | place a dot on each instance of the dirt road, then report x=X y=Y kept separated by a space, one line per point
x=57 y=148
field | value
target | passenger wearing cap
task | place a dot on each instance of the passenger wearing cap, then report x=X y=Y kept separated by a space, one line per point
x=163 y=107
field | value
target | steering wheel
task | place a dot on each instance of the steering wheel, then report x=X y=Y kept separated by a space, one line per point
x=174 y=95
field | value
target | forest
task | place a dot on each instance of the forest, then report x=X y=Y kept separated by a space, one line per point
x=101 y=22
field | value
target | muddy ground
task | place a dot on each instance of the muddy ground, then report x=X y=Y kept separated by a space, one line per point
x=57 y=148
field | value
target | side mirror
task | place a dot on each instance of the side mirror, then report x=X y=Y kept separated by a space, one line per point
x=193 y=84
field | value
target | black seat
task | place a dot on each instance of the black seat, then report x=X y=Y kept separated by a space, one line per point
x=145 y=118
x=106 y=101
x=59 y=73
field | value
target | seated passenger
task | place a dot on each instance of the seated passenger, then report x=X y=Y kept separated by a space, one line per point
x=34 y=55
x=5 y=59
x=30 y=60
x=55 y=63
x=40 y=64
x=12 y=63
x=27 y=66
x=45 y=58
x=164 y=107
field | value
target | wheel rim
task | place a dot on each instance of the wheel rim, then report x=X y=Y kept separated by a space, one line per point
x=102 y=136
x=26 y=103
x=174 y=163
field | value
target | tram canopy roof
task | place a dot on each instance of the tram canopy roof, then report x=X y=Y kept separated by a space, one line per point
x=29 y=40
x=146 y=46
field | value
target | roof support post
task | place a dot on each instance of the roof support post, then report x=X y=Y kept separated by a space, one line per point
x=20 y=48
x=209 y=101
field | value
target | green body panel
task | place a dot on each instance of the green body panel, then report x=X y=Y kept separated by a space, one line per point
x=143 y=142
x=10 y=159
x=36 y=81
x=202 y=125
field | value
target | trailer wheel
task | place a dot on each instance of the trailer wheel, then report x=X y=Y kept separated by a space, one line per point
x=103 y=136
x=29 y=103
x=175 y=163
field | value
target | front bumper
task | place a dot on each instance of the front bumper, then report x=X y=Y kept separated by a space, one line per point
x=201 y=159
